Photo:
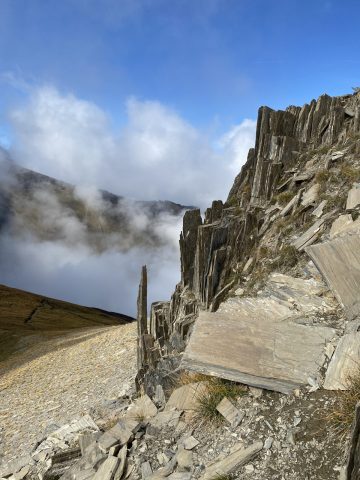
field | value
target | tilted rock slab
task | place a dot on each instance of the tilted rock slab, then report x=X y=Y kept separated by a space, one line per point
x=344 y=363
x=339 y=262
x=232 y=462
x=263 y=342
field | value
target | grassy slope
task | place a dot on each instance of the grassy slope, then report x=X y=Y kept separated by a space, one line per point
x=26 y=318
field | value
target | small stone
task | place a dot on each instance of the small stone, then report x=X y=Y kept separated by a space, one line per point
x=313 y=385
x=190 y=442
x=290 y=438
x=107 y=469
x=268 y=443
x=230 y=412
x=256 y=392
x=146 y=470
x=297 y=420
x=184 y=459
x=249 y=468
x=106 y=441
x=162 y=458
x=159 y=397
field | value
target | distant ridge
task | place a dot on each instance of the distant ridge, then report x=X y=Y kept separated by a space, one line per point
x=26 y=318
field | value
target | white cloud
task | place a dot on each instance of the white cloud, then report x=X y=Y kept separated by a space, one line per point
x=237 y=142
x=62 y=136
x=157 y=155
x=75 y=274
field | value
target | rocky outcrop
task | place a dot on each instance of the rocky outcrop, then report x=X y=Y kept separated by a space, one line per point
x=287 y=195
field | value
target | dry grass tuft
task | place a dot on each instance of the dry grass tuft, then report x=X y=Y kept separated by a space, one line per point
x=283 y=198
x=217 y=390
x=342 y=413
x=187 y=377
x=350 y=173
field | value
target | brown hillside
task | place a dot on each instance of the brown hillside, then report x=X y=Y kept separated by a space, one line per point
x=26 y=318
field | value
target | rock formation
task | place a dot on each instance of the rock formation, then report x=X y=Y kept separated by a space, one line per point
x=293 y=186
x=268 y=299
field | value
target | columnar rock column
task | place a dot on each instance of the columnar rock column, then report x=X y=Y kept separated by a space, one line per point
x=147 y=353
x=142 y=316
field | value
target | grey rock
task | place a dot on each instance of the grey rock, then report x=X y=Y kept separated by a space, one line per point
x=146 y=470
x=180 y=476
x=230 y=412
x=159 y=395
x=184 y=459
x=86 y=439
x=268 y=443
x=272 y=351
x=353 y=200
x=187 y=396
x=168 y=418
x=319 y=210
x=344 y=363
x=310 y=236
x=310 y=196
x=124 y=429
x=15 y=466
x=107 y=469
x=106 y=441
x=189 y=442
x=338 y=260
x=232 y=462
x=122 y=463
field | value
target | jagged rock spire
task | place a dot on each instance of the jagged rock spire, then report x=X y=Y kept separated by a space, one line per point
x=142 y=314
x=142 y=302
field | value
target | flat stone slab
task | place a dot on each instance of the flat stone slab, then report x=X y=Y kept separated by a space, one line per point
x=123 y=429
x=344 y=363
x=338 y=260
x=186 y=397
x=230 y=412
x=232 y=462
x=107 y=469
x=353 y=200
x=310 y=236
x=310 y=196
x=143 y=409
x=168 y=418
x=258 y=341
x=106 y=441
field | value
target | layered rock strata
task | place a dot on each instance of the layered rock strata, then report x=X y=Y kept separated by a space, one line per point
x=290 y=190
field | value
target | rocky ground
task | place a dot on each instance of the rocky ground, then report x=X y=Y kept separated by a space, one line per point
x=260 y=435
x=61 y=379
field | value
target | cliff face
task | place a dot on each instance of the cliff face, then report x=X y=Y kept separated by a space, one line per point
x=305 y=158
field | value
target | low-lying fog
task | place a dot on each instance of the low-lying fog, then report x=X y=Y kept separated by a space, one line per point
x=156 y=155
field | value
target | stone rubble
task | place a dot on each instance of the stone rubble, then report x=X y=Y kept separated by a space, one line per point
x=276 y=432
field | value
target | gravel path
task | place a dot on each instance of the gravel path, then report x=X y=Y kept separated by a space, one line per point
x=60 y=379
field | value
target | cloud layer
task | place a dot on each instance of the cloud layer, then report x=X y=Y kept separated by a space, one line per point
x=156 y=155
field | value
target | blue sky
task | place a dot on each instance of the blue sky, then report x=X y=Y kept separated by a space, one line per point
x=210 y=60
x=116 y=74
x=152 y=99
